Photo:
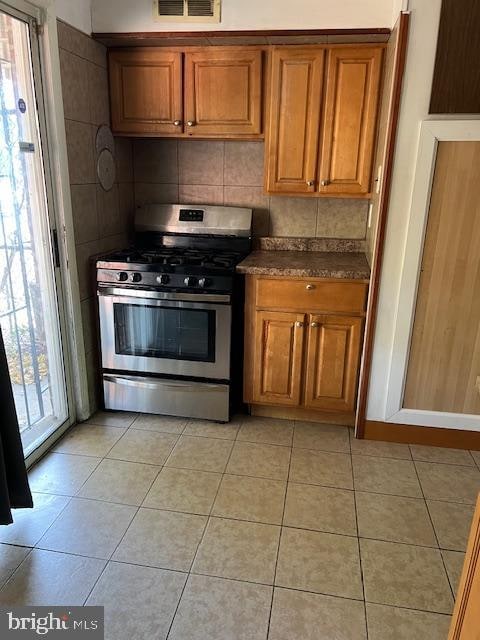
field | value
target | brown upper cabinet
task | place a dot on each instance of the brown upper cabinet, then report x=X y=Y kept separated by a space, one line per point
x=322 y=119
x=205 y=92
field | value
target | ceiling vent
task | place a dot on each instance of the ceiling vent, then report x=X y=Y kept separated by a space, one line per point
x=187 y=10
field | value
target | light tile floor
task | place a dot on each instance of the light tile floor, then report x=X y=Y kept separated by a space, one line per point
x=191 y=530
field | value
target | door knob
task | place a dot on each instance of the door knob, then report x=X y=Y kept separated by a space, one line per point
x=315 y=324
x=310 y=287
x=299 y=324
x=325 y=183
x=191 y=123
x=177 y=123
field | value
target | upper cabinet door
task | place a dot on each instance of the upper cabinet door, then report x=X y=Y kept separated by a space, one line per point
x=294 y=120
x=349 y=122
x=223 y=92
x=146 y=91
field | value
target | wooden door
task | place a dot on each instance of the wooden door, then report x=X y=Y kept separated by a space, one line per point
x=146 y=93
x=294 y=118
x=277 y=361
x=443 y=366
x=349 y=123
x=333 y=356
x=466 y=615
x=223 y=92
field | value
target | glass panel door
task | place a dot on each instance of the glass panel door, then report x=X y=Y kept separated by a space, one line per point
x=29 y=311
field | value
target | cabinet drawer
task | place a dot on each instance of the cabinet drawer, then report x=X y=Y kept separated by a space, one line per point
x=311 y=295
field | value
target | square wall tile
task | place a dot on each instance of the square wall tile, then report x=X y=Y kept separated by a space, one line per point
x=295 y=217
x=342 y=218
x=319 y=562
x=163 y=539
x=84 y=212
x=139 y=602
x=320 y=509
x=124 y=159
x=156 y=161
x=403 y=575
x=239 y=550
x=51 y=579
x=108 y=207
x=244 y=162
x=200 y=194
x=311 y=616
x=201 y=162
x=217 y=609
x=148 y=193
x=75 y=89
x=98 y=94
x=80 y=152
x=252 y=198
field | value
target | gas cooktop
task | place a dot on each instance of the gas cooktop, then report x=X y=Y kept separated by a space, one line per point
x=158 y=258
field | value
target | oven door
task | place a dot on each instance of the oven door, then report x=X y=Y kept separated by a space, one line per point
x=165 y=333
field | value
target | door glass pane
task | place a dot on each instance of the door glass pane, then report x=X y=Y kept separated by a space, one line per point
x=28 y=299
x=160 y=332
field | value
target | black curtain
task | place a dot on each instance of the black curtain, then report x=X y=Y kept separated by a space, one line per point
x=14 y=489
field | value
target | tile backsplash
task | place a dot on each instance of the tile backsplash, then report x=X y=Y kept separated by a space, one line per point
x=231 y=173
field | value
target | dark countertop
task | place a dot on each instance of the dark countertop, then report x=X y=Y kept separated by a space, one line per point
x=320 y=264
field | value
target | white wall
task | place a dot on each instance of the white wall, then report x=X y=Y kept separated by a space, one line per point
x=414 y=108
x=128 y=15
x=76 y=12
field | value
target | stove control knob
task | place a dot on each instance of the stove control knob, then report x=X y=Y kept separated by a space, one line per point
x=135 y=277
x=190 y=281
x=122 y=276
x=203 y=282
x=163 y=279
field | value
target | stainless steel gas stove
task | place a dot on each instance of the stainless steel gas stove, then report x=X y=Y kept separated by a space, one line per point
x=168 y=307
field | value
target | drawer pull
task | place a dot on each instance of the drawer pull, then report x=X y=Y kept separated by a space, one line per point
x=299 y=324
x=310 y=287
x=315 y=325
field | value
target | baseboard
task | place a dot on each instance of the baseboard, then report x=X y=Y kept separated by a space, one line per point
x=294 y=413
x=413 y=434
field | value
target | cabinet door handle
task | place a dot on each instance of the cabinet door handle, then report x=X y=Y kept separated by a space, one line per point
x=191 y=123
x=310 y=183
x=325 y=183
x=299 y=324
x=177 y=123
x=309 y=287
x=315 y=325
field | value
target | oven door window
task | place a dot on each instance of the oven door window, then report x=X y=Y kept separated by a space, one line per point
x=161 y=332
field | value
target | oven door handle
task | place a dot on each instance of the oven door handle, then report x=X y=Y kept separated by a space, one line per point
x=131 y=381
x=162 y=295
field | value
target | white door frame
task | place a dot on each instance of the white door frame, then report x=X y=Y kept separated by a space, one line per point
x=432 y=132
x=58 y=187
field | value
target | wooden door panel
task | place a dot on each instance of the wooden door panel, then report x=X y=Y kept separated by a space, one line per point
x=223 y=92
x=466 y=615
x=146 y=91
x=333 y=357
x=295 y=105
x=278 y=357
x=351 y=101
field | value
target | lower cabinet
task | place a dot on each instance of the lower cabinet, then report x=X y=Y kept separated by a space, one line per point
x=299 y=358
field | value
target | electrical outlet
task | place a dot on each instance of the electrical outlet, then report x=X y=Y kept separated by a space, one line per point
x=477 y=384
